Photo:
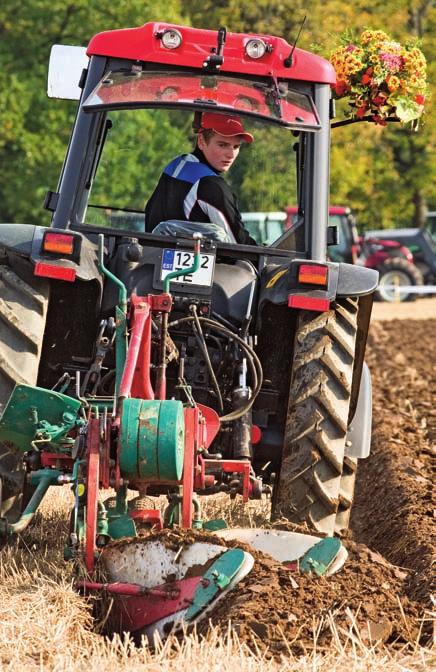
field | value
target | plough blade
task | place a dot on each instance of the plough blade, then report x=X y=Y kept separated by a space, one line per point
x=167 y=587
x=307 y=552
x=160 y=584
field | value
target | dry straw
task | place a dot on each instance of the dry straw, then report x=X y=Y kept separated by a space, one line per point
x=45 y=625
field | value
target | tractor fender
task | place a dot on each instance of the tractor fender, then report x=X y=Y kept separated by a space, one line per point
x=356 y=280
x=86 y=267
x=278 y=281
x=358 y=441
x=17 y=238
x=25 y=240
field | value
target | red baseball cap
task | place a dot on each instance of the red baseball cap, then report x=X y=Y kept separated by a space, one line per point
x=224 y=124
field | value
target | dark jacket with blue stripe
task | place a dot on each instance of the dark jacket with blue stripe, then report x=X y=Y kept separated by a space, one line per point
x=189 y=189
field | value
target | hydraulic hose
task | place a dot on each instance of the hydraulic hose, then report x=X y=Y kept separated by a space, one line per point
x=252 y=360
x=206 y=357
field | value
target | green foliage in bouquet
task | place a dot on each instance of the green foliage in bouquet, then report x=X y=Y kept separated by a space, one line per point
x=380 y=78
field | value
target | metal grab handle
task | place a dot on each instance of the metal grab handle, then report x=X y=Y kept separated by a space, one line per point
x=122 y=297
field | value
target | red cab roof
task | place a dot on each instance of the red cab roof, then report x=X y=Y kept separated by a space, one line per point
x=144 y=44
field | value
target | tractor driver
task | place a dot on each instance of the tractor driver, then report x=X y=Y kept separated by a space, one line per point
x=192 y=188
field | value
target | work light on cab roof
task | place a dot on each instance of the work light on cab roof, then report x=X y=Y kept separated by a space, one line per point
x=171 y=39
x=256 y=48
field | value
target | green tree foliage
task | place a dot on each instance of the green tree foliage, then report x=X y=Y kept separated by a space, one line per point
x=267 y=17
x=34 y=130
x=144 y=138
x=386 y=175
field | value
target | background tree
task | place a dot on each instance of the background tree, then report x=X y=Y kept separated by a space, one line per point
x=34 y=130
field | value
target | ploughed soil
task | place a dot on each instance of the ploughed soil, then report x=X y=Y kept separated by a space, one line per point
x=384 y=590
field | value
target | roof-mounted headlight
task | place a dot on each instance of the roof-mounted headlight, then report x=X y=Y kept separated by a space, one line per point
x=255 y=48
x=171 y=38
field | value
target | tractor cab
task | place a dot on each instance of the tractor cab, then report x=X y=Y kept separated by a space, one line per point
x=142 y=92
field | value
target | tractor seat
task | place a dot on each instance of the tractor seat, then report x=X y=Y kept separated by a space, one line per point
x=179 y=227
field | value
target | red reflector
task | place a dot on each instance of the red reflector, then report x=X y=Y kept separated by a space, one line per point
x=308 y=302
x=256 y=434
x=313 y=274
x=61 y=243
x=55 y=272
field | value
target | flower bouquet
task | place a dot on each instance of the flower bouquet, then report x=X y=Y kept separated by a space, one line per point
x=380 y=77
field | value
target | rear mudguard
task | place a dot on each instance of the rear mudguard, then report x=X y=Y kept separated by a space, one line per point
x=17 y=238
x=356 y=280
x=278 y=281
x=25 y=240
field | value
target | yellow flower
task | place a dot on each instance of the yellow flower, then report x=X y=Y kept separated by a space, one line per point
x=416 y=53
x=372 y=35
x=393 y=83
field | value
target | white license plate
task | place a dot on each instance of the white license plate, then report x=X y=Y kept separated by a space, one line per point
x=178 y=260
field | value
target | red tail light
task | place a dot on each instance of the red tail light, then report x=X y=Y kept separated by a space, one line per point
x=256 y=434
x=355 y=251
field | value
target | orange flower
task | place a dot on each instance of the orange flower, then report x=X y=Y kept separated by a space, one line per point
x=393 y=83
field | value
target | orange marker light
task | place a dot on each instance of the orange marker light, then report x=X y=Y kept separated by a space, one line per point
x=312 y=274
x=59 y=243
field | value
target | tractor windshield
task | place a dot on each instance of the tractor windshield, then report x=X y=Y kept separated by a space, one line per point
x=273 y=101
x=137 y=144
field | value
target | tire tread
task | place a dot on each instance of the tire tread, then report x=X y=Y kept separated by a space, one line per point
x=308 y=487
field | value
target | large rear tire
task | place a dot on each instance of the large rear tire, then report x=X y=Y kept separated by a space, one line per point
x=308 y=485
x=23 y=310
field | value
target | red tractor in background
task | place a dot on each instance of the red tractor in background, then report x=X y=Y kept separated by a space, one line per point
x=390 y=258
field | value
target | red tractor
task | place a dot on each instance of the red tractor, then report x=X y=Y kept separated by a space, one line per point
x=175 y=363
x=393 y=261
